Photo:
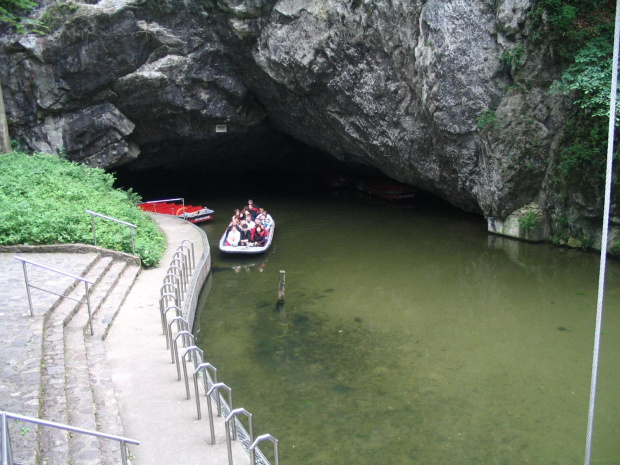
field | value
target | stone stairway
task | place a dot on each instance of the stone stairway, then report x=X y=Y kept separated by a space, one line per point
x=76 y=387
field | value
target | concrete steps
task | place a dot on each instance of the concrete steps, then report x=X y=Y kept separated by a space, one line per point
x=75 y=384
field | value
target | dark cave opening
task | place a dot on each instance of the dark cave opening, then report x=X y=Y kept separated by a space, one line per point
x=278 y=165
x=279 y=161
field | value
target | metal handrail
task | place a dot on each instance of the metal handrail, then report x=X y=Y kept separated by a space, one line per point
x=178 y=313
x=232 y=416
x=130 y=225
x=28 y=286
x=184 y=252
x=182 y=325
x=182 y=264
x=175 y=285
x=179 y=276
x=175 y=346
x=216 y=387
x=182 y=245
x=166 y=296
x=7 y=456
x=202 y=368
x=191 y=352
x=185 y=258
x=259 y=439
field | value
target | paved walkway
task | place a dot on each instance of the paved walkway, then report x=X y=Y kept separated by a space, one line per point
x=154 y=408
x=153 y=404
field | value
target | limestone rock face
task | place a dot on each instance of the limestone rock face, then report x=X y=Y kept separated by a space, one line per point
x=431 y=92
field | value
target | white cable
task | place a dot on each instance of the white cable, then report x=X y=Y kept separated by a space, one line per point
x=601 y=277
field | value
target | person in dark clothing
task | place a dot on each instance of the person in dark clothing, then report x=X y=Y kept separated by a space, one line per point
x=246 y=235
x=253 y=209
x=259 y=236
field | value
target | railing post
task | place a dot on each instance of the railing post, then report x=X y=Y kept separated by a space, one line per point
x=174 y=287
x=216 y=387
x=167 y=296
x=180 y=257
x=178 y=313
x=187 y=336
x=203 y=368
x=230 y=416
x=191 y=351
x=192 y=250
x=260 y=439
x=7 y=452
x=181 y=326
x=92 y=217
x=90 y=321
x=123 y=452
x=28 y=289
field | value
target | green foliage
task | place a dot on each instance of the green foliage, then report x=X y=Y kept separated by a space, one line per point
x=581 y=33
x=569 y=24
x=528 y=221
x=590 y=77
x=15 y=13
x=487 y=118
x=513 y=58
x=43 y=200
x=582 y=164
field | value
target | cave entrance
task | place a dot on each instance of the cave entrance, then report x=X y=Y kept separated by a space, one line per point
x=278 y=163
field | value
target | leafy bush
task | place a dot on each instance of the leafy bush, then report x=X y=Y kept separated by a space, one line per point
x=581 y=35
x=528 y=221
x=43 y=200
x=15 y=13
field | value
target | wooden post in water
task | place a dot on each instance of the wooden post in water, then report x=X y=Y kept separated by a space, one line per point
x=281 y=287
x=5 y=142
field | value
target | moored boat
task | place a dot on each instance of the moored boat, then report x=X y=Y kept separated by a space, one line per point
x=387 y=189
x=176 y=207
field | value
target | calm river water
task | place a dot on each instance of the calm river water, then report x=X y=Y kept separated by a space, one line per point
x=410 y=336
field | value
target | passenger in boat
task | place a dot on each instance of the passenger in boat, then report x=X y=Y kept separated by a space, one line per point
x=233 y=236
x=268 y=220
x=252 y=208
x=259 y=236
x=239 y=214
x=245 y=235
x=251 y=224
x=234 y=223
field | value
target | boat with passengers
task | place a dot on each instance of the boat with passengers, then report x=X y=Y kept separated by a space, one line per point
x=250 y=231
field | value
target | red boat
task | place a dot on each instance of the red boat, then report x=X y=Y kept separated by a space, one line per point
x=387 y=189
x=177 y=207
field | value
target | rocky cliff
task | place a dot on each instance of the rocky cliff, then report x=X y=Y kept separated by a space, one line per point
x=441 y=94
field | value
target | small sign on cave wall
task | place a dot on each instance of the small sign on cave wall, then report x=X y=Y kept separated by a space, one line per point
x=221 y=128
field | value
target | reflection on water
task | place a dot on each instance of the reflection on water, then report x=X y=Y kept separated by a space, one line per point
x=409 y=335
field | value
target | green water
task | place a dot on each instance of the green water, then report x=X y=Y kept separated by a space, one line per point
x=411 y=336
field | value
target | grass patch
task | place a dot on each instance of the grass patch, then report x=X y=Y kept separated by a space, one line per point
x=43 y=199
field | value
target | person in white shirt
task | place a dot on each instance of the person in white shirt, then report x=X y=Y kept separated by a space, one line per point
x=250 y=222
x=233 y=237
